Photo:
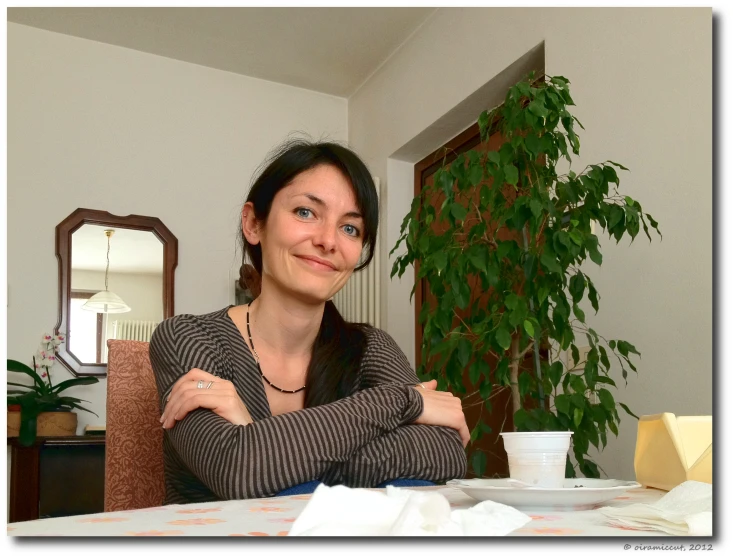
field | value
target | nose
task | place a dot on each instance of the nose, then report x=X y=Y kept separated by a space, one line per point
x=325 y=237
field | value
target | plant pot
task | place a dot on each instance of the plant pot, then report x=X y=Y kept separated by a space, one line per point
x=13 y=421
x=48 y=424
x=537 y=457
x=56 y=424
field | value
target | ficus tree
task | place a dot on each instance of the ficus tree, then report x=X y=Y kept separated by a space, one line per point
x=500 y=236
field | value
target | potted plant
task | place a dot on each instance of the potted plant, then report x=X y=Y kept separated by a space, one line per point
x=41 y=408
x=518 y=231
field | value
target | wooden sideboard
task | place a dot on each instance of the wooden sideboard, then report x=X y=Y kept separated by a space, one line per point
x=56 y=476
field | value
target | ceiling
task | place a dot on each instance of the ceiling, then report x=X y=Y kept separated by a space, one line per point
x=331 y=50
x=130 y=251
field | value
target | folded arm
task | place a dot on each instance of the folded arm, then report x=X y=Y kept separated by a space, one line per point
x=269 y=455
x=413 y=451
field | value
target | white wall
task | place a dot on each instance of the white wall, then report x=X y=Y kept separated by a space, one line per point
x=102 y=127
x=642 y=82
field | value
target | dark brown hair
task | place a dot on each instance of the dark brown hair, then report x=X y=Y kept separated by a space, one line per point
x=339 y=346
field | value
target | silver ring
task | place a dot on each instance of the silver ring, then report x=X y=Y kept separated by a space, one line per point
x=209 y=385
x=200 y=385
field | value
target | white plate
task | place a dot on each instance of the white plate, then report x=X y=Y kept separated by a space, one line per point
x=577 y=494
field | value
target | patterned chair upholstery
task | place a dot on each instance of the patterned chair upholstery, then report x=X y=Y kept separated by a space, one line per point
x=134 y=448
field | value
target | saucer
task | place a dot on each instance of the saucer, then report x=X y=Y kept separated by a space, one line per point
x=577 y=494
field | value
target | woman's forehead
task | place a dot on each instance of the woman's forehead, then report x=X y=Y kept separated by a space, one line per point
x=329 y=187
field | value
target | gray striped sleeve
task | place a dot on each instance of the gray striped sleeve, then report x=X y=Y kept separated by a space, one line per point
x=267 y=456
x=414 y=451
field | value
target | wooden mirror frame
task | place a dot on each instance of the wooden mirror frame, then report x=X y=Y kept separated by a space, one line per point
x=64 y=230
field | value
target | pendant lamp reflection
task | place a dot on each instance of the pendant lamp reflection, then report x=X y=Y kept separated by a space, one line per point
x=106 y=301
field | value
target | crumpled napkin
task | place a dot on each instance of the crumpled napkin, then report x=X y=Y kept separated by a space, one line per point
x=344 y=511
x=687 y=510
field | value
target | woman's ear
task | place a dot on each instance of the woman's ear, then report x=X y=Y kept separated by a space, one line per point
x=250 y=225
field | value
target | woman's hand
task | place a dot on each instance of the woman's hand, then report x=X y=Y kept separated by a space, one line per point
x=442 y=408
x=221 y=398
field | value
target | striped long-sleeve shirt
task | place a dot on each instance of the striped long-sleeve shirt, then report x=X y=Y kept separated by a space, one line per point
x=360 y=440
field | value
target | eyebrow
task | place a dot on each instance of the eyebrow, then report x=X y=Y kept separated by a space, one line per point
x=319 y=201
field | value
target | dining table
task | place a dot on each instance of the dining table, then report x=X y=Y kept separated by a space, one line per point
x=274 y=516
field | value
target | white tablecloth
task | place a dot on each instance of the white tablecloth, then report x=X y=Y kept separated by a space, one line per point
x=274 y=517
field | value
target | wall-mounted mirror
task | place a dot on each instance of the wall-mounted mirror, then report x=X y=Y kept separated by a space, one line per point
x=115 y=282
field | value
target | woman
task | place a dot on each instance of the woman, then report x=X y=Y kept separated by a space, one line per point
x=261 y=397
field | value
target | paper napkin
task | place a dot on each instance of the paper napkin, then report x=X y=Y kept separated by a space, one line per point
x=687 y=510
x=344 y=511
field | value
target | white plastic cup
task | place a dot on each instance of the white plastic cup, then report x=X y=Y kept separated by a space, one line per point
x=537 y=457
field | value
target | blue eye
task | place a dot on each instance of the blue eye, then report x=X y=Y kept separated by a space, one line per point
x=301 y=210
x=352 y=230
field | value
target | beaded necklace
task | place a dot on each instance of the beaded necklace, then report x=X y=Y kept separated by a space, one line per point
x=257 y=360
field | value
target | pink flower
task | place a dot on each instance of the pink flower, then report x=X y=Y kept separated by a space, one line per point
x=44 y=375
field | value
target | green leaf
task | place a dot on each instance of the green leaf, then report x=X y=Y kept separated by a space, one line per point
x=535 y=205
x=511 y=174
x=479 y=463
x=521 y=418
x=538 y=109
x=529 y=328
x=530 y=267
x=475 y=174
x=591 y=244
x=579 y=313
x=463 y=295
x=525 y=382
x=503 y=338
x=654 y=224
x=606 y=399
x=576 y=236
x=542 y=294
x=474 y=371
x=616 y=216
x=577 y=416
x=577 y=287
x=629 y=412
x=550 y=263
x=575 y=353
x=554 y=372
x=440 y=260
x=626 y=347
x=562 y=403
x=20 y=367
x=475 y=433
x=606 y=380
x=484 y=196
x=604 y=358
x=479 y=259
x=464 y=351
x=593 y=295
x=458 y=211
x=74 y=382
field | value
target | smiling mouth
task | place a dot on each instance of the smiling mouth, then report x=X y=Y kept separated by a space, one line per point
x=315 y=264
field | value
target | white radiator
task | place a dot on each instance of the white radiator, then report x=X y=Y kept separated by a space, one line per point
x=133 y=330
x=358 y=300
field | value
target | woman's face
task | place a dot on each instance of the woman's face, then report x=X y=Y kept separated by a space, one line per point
x=312 y=239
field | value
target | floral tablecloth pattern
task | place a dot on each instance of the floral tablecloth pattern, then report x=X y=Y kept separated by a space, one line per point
x=274 y=517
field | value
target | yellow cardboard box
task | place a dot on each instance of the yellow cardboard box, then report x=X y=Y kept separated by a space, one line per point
x=673 y=449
